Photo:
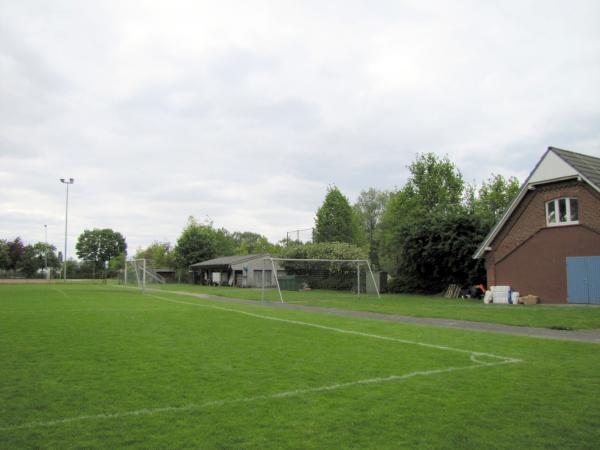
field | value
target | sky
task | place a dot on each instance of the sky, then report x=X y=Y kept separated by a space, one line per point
x=243 y=113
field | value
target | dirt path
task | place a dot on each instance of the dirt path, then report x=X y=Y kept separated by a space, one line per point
x=590 y=336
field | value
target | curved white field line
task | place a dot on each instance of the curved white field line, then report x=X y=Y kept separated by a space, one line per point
x=341 y=330
x=474 y=357
x=276 y=395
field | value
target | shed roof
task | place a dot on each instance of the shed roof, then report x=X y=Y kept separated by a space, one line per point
x=229 y=260
x=581 y=166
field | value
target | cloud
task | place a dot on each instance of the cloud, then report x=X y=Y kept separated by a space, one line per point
x=246 y=112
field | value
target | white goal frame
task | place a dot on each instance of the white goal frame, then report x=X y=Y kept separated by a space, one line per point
x=358 y=263
x=141 y=265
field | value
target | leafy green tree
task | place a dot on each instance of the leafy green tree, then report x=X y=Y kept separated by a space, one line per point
x=369 y=209
x=196 y=243
x=324 y=250
x=427 y=233
x=28 y=263
x=116 y=264
x=335 y=220
x=435 y=184
x=161 y=253
x=433 y=252
x=247 y=243
x=15 y=251
x=224 y=243
x=434 y=188
x=80 y=269
x=492 y=198
x=98 y=246
x=46 y=253
x=33 y=259
x=4 y=254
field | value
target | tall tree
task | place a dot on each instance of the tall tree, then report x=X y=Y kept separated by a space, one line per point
x=196 y=243
x=435 y=184
x=492 y=198
x=247 y=243
x=28 y=264
x=427 y=233
x=33 y=258
x=161 y=253
x=433 y=252
x=224 y=243
x=15 y=251
x=46 y=253
x=98 y=246
x=369 y=208
x=335 y=220
x=4 y=254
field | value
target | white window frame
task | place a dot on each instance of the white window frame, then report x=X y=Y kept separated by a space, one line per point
x=555 y=202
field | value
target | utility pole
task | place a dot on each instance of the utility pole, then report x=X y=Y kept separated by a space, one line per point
x=67 y=182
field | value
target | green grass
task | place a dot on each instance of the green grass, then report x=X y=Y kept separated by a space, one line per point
x=101 y=367
x=567 y=317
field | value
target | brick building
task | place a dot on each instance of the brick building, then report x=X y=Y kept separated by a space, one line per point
x=548 y=241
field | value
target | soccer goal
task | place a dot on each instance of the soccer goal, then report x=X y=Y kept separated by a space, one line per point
x=140 y=273
x=291 y=277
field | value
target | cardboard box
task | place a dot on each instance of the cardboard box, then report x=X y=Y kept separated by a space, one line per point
x=529 y=299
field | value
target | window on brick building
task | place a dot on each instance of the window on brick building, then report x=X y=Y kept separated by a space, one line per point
x=562 y=211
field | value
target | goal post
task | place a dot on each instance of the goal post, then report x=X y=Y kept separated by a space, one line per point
x=302 y=275
x=141 y=273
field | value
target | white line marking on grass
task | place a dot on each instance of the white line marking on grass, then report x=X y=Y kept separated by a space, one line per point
x=341 y=330
x=276 y=395
x=63 y=293
x=297 y=302
x=64 y=311
x=474 y=357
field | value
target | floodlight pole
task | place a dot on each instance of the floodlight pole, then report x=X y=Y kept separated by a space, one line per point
x=67 y=182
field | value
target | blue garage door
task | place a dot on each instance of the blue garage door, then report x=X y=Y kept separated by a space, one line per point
x=583 y=279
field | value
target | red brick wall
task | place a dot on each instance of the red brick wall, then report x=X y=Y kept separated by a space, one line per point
x=539 y=266
x=529 y=219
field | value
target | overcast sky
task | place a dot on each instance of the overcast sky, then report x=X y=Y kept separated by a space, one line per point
x=245 y=111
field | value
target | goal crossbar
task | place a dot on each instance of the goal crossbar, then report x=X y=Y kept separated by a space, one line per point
x=365 y=262
x=321 y=260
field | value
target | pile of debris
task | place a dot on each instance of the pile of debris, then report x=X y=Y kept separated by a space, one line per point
x=503 y=295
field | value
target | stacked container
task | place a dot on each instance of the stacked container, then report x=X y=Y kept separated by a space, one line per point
x=501 y=294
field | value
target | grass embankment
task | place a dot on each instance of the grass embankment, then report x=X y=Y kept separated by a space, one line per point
x=101 y=367
x=541 y=316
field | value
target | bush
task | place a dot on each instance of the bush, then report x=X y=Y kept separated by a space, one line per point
x=434 y=252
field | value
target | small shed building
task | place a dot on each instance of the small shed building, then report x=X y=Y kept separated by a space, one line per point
x=547 y=243
x=239 y=271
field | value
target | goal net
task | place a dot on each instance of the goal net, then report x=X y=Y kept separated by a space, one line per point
x=305 y=279
x=141 y=273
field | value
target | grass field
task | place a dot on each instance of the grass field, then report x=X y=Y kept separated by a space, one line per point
x=567 y=317
x=92 y=366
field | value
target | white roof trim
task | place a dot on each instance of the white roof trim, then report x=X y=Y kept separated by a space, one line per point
x=551 y=167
